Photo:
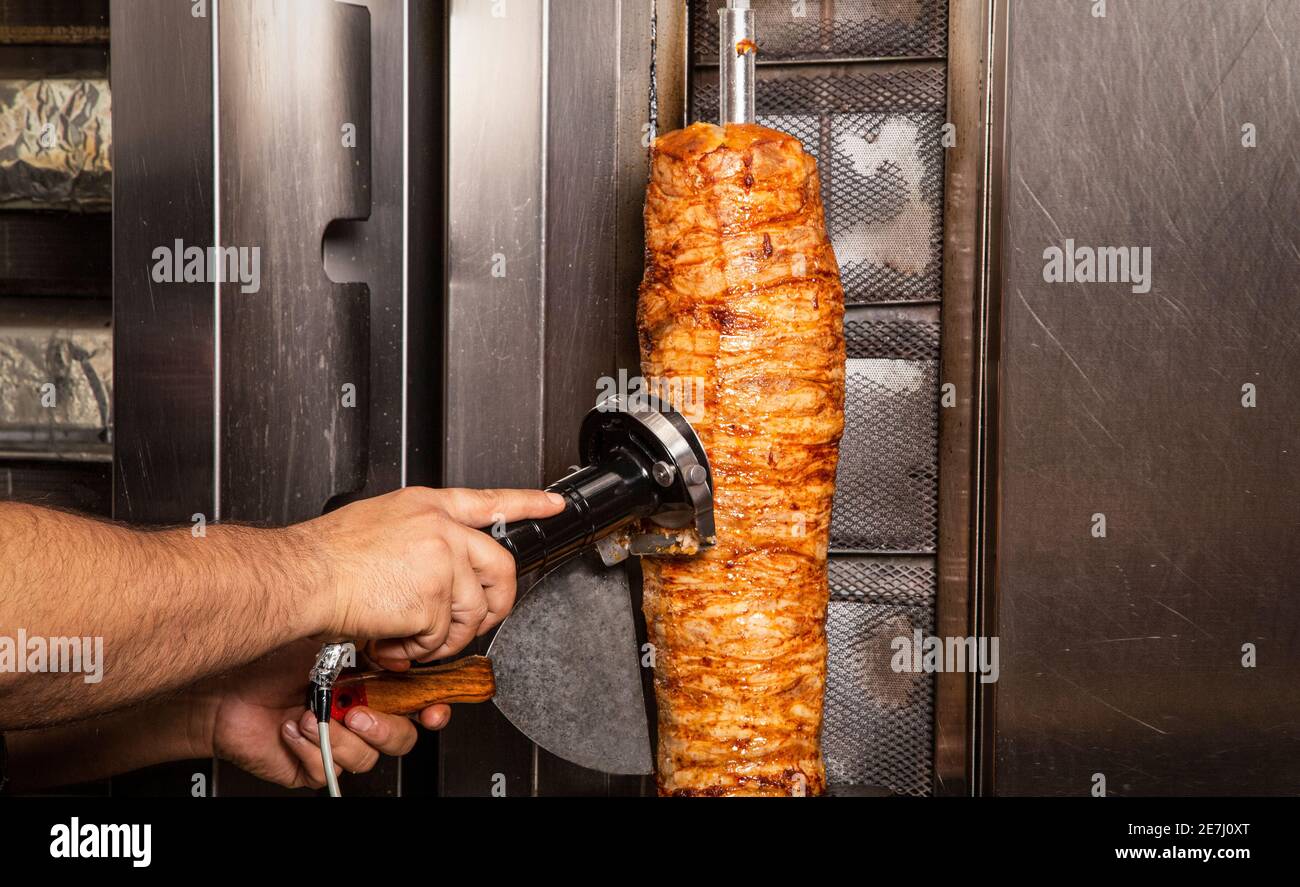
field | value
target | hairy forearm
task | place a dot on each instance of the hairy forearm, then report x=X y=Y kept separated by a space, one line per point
x=171 y=730
x=170 y=607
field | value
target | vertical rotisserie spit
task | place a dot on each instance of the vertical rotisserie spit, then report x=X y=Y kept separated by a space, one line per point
x=741 y=300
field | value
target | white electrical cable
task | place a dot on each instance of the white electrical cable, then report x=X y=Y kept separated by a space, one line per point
x=327 y=759
x=329 y=663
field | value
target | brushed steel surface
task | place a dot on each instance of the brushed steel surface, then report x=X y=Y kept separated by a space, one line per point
x=550 y=111
x=586 y=319
x=295 y=72
x=373 y=250
x=1123 y=655
x=960 y=366
x=163 y=337
x=493 y=392
x=163 y=463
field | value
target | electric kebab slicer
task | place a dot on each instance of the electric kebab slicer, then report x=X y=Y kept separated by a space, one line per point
x=564 y=667
x=643 y=462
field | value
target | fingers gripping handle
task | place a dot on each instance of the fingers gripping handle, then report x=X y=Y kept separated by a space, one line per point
x=541 y=543
x=405 y=693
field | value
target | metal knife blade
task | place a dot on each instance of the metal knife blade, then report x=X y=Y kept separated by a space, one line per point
x=568 y=669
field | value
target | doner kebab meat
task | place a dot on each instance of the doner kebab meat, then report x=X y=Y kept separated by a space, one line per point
x=742 y=300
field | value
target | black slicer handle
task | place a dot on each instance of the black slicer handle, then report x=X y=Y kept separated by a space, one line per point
x=599 y=499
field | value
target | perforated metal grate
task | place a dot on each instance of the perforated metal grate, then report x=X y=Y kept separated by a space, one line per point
x=892 y=339
x=887 y=487
x=878 y=142
x=878 y=723
x=907 y=581
x=831 y=29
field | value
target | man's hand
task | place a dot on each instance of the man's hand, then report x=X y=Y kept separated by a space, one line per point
x=410 y=569
x=255 y=719
x=175 y=606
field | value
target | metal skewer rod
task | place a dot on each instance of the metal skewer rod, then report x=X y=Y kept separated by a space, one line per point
x=736 y=51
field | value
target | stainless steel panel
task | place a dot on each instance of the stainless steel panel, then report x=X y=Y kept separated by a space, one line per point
x=495 y=272
x=164 y=456
x=494 y=374
x=373 y=251
x=163 y=466
x=425 y=165
x=1123 y=655
x=589 y=317
x=550 y=110
x=962 y=367
x=293 y=72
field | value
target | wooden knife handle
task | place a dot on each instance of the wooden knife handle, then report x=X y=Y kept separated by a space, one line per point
x=407 y=692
